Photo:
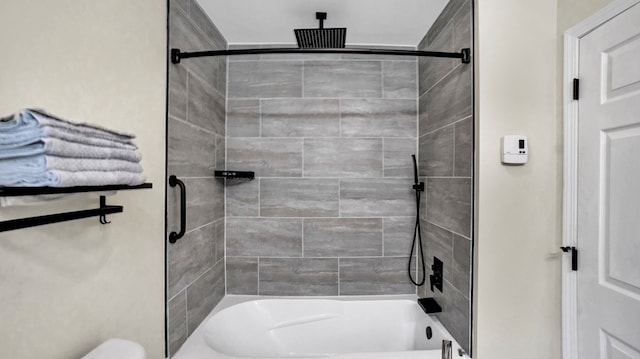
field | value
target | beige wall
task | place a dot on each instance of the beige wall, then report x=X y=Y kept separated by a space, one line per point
x=65 y=288
x=519 y=212
x=517 y=285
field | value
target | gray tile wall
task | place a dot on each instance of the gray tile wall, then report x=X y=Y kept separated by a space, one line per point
x=446 y=159
x=195 y=264
x=329 y=138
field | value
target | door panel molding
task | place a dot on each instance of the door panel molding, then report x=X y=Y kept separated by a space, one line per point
x=572 y=39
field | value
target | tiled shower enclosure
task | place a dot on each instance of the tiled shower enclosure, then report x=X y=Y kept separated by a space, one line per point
x=331 y=210
x=329 y=138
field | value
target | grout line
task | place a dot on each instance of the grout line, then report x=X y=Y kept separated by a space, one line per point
x=302 y=239
x=258 y=273
x=339 y=279
x=447 y=125
x=192 y=125
x=447 y=229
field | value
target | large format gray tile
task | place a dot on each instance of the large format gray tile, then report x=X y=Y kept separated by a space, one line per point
x=461 y=278
x=433 y=69
x=343 y=79
x=423 y=115
x=298 y=197
x=243 y=198
x=398 y=235
x=206 y=106
x=436 y=153
x=300 y=118
x=242 y=275
x=376 y=197
x=204 y=294
x=191 y=150
x=451 y=99
x=265 y=79
x=253 y=237
x=455 y=315
x=204 y=23
x=177 y=322
x=438 y=243
x=183 y=4
x=221 y=85
x=189 y=257
x=342 y=157
x=379 y=118
x=342 y=237
x=449 y=203
x=373 y=276
x=267 y=157
x=447 y=14
x=399 y=79
x=219 y=239
x=243 y=118
x=371 y=57
x=205 y=202
x=397 y=157
x=464 y=148
x=178 y=92
x=220 y=152
x=186 y=36
x=462 y=26
x=298 y=276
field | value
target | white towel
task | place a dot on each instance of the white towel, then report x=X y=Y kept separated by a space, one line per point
x=56 y=147
x=40 y=163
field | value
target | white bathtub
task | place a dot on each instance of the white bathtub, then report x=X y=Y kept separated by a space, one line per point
x=311 y=327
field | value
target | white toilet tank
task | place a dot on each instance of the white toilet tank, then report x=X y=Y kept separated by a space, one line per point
x=117 y=349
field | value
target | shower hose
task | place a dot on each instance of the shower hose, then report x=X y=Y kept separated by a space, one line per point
x=417 y=233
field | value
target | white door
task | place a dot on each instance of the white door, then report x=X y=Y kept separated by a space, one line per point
x=608 y=222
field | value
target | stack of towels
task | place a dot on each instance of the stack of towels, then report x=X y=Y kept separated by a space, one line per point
x=38 y=149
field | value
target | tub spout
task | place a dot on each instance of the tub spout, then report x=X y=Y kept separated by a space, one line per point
x=446 y=349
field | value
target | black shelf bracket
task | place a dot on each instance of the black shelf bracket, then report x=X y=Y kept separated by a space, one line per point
x=100 y=212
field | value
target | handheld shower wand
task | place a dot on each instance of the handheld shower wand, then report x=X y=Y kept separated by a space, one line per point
x=417 y=235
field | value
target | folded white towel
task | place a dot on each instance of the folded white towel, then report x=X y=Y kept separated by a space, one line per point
x=30 y=120
x=40 y=163
x=57 y=178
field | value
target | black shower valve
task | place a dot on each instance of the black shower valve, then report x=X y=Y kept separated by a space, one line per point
x=419 y=186
x=435 y=280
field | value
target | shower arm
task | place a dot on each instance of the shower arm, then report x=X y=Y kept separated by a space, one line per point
x=464 y=55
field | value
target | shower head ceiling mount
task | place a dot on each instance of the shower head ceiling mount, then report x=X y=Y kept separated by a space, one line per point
x=321 y=38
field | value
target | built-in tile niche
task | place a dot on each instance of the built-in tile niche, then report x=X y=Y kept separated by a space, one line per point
x=330 y=138
x=445 y=144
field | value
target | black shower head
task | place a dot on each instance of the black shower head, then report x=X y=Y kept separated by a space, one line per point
x=321 y=38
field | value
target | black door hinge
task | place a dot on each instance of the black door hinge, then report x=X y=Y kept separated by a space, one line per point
x=574 y=256
x=576 y=89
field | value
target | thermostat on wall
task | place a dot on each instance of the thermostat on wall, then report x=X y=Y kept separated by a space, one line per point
x=514 y=149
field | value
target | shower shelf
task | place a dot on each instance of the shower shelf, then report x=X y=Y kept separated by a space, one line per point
x=101 y=212
x=235 y=174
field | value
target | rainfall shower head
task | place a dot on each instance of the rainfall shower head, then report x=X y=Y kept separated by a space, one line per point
x=332 y=38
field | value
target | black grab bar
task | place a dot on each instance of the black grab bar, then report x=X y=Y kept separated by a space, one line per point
x=173 y=181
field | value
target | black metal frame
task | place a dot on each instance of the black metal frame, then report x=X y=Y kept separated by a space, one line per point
x=101 y=211
x=464 y=55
